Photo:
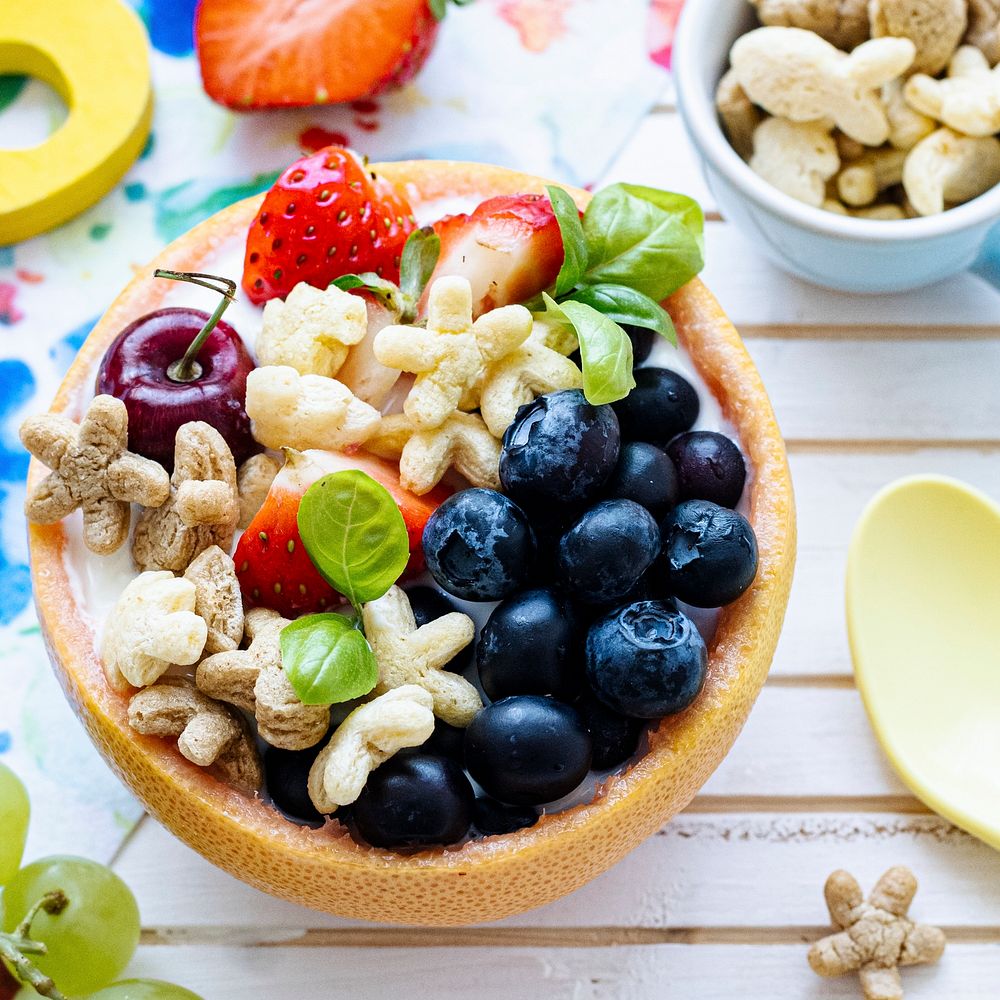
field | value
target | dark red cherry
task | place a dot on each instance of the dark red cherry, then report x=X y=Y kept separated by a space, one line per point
x=166 y=378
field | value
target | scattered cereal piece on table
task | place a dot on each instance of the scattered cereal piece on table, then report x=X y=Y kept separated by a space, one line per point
x=875 y=936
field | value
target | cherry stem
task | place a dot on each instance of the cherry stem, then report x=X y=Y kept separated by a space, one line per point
x=16 y=947
x=187 y=368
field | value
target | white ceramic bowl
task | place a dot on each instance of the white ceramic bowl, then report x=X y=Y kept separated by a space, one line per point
x=857 y=255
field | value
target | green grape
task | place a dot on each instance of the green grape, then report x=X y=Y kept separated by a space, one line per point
x=93 y=938
x=14 y=812
x=144 y=989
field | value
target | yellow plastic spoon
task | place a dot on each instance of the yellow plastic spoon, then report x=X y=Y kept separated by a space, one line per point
x=923 y=618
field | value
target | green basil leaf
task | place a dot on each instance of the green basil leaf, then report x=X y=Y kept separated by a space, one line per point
x=419 y=258
x=574 y=243
x=369 y=281
x=327 y=660
x=605 y=353
x=626 y=305
x=354 y=534
x=437 y=8
x=647 y=239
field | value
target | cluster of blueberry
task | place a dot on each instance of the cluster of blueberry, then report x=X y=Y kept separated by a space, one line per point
x=609 y=515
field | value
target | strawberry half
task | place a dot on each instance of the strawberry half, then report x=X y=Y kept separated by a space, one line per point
x=326 y=215
x=294 y=53
x=509 y=248
x=272 y=564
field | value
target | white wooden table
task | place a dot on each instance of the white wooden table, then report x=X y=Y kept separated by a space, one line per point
x=722 y=902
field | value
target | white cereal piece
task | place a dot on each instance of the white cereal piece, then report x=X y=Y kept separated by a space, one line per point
x=152 y=627
x=312 y=329
x=968 y=101
x=796 y=157
x=410 y=655
x=289 y=410
x=367 y=738
x=795 y=74
x=948 y=168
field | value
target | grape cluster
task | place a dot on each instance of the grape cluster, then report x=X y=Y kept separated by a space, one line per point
x=69 y=926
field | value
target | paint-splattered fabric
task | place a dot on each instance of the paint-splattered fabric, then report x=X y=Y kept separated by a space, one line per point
x=549 y=86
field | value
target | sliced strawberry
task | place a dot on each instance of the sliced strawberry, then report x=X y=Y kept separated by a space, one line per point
x=326 y=215
x=293 y=53
x=272 y=564
x=509 y=248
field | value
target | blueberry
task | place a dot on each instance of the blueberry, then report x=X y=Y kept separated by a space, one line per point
x=709 y=467
x=646 y=475
x=428 y=604
x=529 y=646
x=560 y=448
x=662 y=405
x=491 y=818
x=415 y=800
x=603 y=556
x=478 y=545
x=447 y=741
x=642 y=342
x=646 y=660
x=527 y=750
x=710 y=553
x=615 y=736
x=286 y=776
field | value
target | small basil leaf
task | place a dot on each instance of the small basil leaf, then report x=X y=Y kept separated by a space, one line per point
x=605 y=353
x=327 y=660
x=574 y=243
x=419 y=258
x=354 y=534
x=371 y=282
x=437 y=8
x=647 y=239
x=626 y=305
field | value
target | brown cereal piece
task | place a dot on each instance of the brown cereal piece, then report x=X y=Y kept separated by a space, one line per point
x=217 y=599
x=843 y=23
x=253 y=481
x=934 y=26
x=984 y=28
x=531 y=370
x=252 y=679
x=795 y=157
x=448 y=357
x=738 y=114
x=289 y=410
x=462 y=442
x=968 y=101
x=947 y=168
x=875 y=937
x=796 y=75
x=410 y=655
x=203 y=507
x=153 y=626
x=208 y=733
x=366 y=739
x=92 y=469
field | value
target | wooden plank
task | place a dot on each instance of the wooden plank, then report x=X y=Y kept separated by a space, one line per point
x=651 y=972
x=702 y=871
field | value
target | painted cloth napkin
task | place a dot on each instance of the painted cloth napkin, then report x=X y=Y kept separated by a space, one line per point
x=553 y=87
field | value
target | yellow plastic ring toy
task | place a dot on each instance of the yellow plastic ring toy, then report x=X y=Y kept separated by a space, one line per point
x=72 y=47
